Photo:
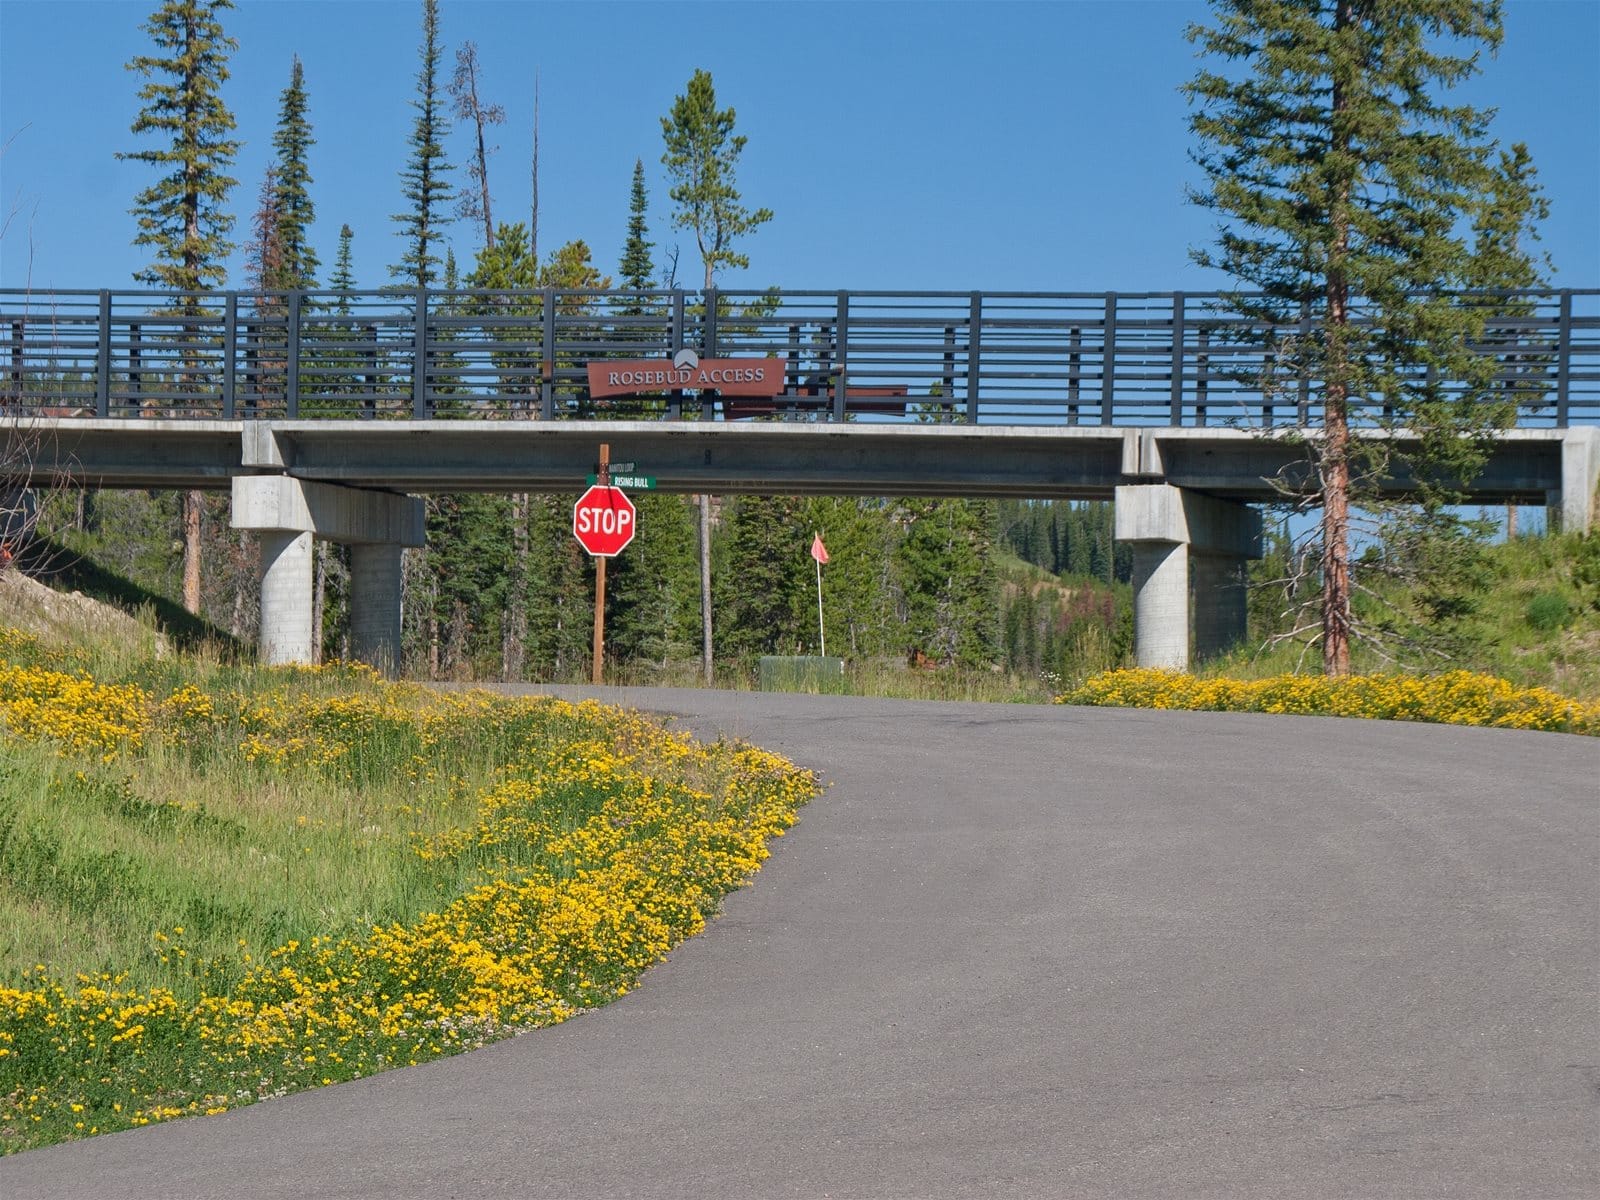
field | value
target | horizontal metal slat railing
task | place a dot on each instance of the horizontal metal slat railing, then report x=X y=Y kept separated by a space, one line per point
x=1166 y=359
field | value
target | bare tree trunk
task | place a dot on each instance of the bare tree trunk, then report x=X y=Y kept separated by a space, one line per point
x=433 y=645
x=240 y=559
x=1511 y=522
x=193 y=501
x=705 y=586
x=533 y=215
x=319 y=601
x=1335 y=466
x=514 y=637
x=705 y=530
x=1336 y=536
x=455 y=647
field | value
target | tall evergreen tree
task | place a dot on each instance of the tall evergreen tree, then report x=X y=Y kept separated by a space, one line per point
x=426 y=182
x=652 y=594
x=560 y=593
x=183 y=216
x=343 y=280
x=702 y=155
x=702 y=158
x=1347 y=187
x=265 y=260
x=296 y=212
x=265 y=274
x=764 y=592
x=856 y=584
x=508 y=265
x=637 y=271
x=951 y=598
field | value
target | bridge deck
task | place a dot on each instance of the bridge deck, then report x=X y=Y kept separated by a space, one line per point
x=740 y=457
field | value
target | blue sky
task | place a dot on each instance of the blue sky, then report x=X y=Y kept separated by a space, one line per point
x=1031 y=146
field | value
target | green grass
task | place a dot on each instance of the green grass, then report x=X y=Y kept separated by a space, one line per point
x=95 y=858
x=263 y=880
x=1535 y=621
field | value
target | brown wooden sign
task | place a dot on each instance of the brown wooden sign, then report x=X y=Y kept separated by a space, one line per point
x=730 y=376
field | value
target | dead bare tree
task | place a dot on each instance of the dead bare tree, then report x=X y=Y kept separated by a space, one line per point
x=474 y=203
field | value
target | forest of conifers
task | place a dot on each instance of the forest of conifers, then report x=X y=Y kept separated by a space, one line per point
x=1021 y=586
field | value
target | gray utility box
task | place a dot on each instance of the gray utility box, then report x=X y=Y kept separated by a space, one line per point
x=800 y=673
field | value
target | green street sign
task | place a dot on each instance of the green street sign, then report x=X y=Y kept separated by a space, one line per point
x=629 y=483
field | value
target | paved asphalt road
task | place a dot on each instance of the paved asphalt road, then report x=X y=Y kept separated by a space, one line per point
x=1036 y=952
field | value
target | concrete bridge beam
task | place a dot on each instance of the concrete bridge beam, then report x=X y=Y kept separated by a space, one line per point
x=1185 y=542
x=289 y=514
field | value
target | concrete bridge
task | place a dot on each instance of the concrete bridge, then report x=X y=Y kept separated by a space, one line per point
x=324 y=413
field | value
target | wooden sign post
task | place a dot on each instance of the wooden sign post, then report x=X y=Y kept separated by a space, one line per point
x=600 y=577
x=604 y=521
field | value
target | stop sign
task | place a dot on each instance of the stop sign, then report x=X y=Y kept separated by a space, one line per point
x=604 y=521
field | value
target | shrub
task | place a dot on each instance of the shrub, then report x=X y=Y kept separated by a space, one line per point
x=1548 y=612
x=1456 y=698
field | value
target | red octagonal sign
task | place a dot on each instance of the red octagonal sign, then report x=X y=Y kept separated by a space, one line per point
x=604 y=521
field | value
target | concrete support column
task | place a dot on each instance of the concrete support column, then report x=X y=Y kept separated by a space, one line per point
x=1170 y=529
x=287 y=574
x=1161 y=605
x=287 y=512
x=375 y=596
x=1221 y=603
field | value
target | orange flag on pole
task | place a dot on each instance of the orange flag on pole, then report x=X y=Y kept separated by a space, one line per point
x=820 y=553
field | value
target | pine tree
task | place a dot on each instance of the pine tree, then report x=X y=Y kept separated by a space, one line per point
x=571 y=268
x=1347 y=188
x=265 y=275
x=343 y=362
x=265 y=260
x=474 y=203
x=183 y=215
x=652 y=603
x=560 y=593
x=702 y=157
x=573 y=275
x=469 y=545
x=702 y=154
x=426 y=186
x=951 y=598
x=508 y=265
x=857 y=605
x=637 y=270
x=296 y=212
x=765 y=585
x=343 y=280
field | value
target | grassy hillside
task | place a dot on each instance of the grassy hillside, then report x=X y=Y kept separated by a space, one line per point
x=1525 y=610
x=220 y=883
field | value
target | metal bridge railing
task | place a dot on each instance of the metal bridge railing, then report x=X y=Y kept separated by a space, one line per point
x=1185 y=359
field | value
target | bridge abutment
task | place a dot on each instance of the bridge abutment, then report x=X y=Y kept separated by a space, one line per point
x=1185 y=541
x=289 y=514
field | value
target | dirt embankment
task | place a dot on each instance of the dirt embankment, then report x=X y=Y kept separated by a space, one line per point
x=29 y=605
